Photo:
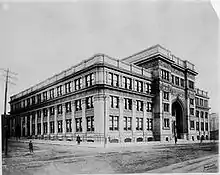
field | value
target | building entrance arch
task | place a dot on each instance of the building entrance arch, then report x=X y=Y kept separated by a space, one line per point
x=177 y=112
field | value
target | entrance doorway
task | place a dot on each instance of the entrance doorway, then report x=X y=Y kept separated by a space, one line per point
x=177 y=112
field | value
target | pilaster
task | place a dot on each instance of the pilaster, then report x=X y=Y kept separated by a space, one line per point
x=83 y=115
x=73 y=117
x=26 y=126
x=41 y=123
x=64 y=118
x=121 y=116
x=36 y=123
x=31 y=125
x=55 y=121
x=48 y=121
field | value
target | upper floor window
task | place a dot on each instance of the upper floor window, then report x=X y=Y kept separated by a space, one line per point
x=197 y=113
x=38 y=98
x=45 y=112
x=166 y=123
x=206 y=114
x=59 y=109
x=201 y=102
x=89 y=102
x=149 y=124
x=90 y=80
x=113 y=79
x=59 y=90
x=177 y=81
x=113 y=123
x=197 y=126
x=51 y=93
x=138 y=86
x=78 y=124
x=114 y=101
x=165 y=74
x=191 y=84
x=182 y=82
x=68 y=107
x=140 y=105
x=166 y=95
x=68 y=87
x=202 y=114
x=148 y=88
x=38 y=114
x=206 y=103
x=78 y=83
x=149 y=107
x=44 y=96
x=197 y=101
x=127 y=123
x=78 y=105
x=191 y=101
x=172 y=78
x=192 y=124
x=166 y=107
x=191 y=111
x=126 y=83
x=28 y=102
x=51 y=110
x=139 y=123
x=90 y=123
x=128 y=103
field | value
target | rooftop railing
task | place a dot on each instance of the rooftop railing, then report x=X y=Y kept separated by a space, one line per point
x=201 y=92
x=98 y=58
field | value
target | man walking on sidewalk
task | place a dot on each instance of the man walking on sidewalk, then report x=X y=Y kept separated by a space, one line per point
x=31 y=147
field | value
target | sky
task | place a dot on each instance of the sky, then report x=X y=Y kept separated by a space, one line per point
x=38 y=40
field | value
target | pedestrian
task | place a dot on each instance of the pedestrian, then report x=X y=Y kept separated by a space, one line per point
x=31 y=147
x=78 y=139
x=175 y=139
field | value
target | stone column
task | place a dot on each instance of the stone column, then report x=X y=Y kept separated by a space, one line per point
x=36 y=123
x=144 y=119
x=41 y=123
x=26 y=126
x=48 y=121
x=64 y=119
x=133 y=123
x=73 y=117
x=22 y=118
x=83 y=115
x=30 y=124
x=55 y=120
x=121 y=117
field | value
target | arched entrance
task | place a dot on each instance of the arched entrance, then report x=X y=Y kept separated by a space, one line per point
x=177 y=112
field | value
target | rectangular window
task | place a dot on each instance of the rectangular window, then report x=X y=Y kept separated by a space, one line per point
x=126 y=83
x=59 y=109
x=39 y=115
x=128 y=103
x=78 y=124
x=59 y=90
x=148 y=88
x=202 y=114
x=149 y=124
x=138 y=86
x=206 y=114
x=60 y=126
x=191 y=101
x=197 y=101
x=78 y=105
x=197 y=126
x=177 y=81
x=33 y=130
x=51 y=93
x=139 y=123
x=127 y=123
x=172 y=77
x=68 y=107
x=197 y=113
x=68 y=87
x=182 y=82
x=113 y=79
x=52 y=110
x=33 y=100
x=113 y=123
x=140 y=105
x=191 y=111
x=38 y=128
x=45 y=128
x=206 y=126
x=89 y=102
x=166 y=123
x=44 y=96
x=149 y=107
x=28 y=102
x=191 y=84
x=38 y=98
x=166 y=107
x=78 y=84
x=52 y=127
x=205 y=103
x=90 y=123
x=45 y=112
x=90 y=80
x=202 y=126
x=68 y=125
x=166 y=95
x=192 y=125
x=165 y=74
x=114 y=102
x=201 y=102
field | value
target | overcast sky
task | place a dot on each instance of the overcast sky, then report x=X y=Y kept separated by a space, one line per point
x=38 y=40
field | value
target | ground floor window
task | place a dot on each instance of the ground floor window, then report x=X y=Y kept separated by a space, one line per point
x=192 y=125
x=60 y=126
x=38 y=128
x=113 y=123
x=139 y=123
x=52 y=127
x=127 y=123
x=33 y=129
x=149 y=124
x=68 y=125
x=78 y=124
x=90 y=123
x=45 y=127
x=166 y=123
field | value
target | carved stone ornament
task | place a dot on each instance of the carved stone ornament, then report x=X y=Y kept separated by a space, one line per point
x=163 y=64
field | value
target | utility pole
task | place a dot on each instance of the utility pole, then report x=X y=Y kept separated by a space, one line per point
x=5 y=118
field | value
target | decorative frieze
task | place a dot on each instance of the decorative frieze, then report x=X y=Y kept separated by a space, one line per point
x=173 y=70
x=165 y=65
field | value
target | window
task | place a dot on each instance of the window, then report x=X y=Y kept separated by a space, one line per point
x=78 y=124
x=45 y=112
x=202 y=114
x=165 y=74
x=191 y=111
x=51 y=93
x=197 y=113
x=197 y=126
x=114 y=102
x=172 y=78
x=68 y=107
x=126 y=83
x=38 y=128
x=28 y=102
x=78 y=84
x=191 y=84
x=202 y=126
x=52 y=127
x=206 y=114
x=127 y=123
x=113 y=123
x=166 y=107
x=59 y=90
x=148 y=88
x=39 y=115
x=166 y=95
x=90 y=123
x=113 y=79
x=89 y=102
x=138 y=86
x=68 y=87
x=197 y=101
x=59 y=109
x=60 y=126
x=182 y=82
x=192 y=125
x=206 y=126
x=45 y=128
x=51 y=110
x=90 y=80
x=191 y=101
x=166 y=123
x=201 y=102
x=33 y=130
x=78 y=105
x=149 y=107
x=177 y=81
x=68 y=125
x=140 y=105
x=139 y=123
x=33 y=100
x=205 y=103
x=149 y=124
x=38 y=98
x=128 y=103
x=44 y=96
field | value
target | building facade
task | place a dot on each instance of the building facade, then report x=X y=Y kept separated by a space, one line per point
x=214 y=126
x=148 y=96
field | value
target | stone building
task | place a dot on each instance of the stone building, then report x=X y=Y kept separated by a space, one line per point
x=150 y=95
x=214 y=126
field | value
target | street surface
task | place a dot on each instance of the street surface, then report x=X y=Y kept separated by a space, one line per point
x=73 y=159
